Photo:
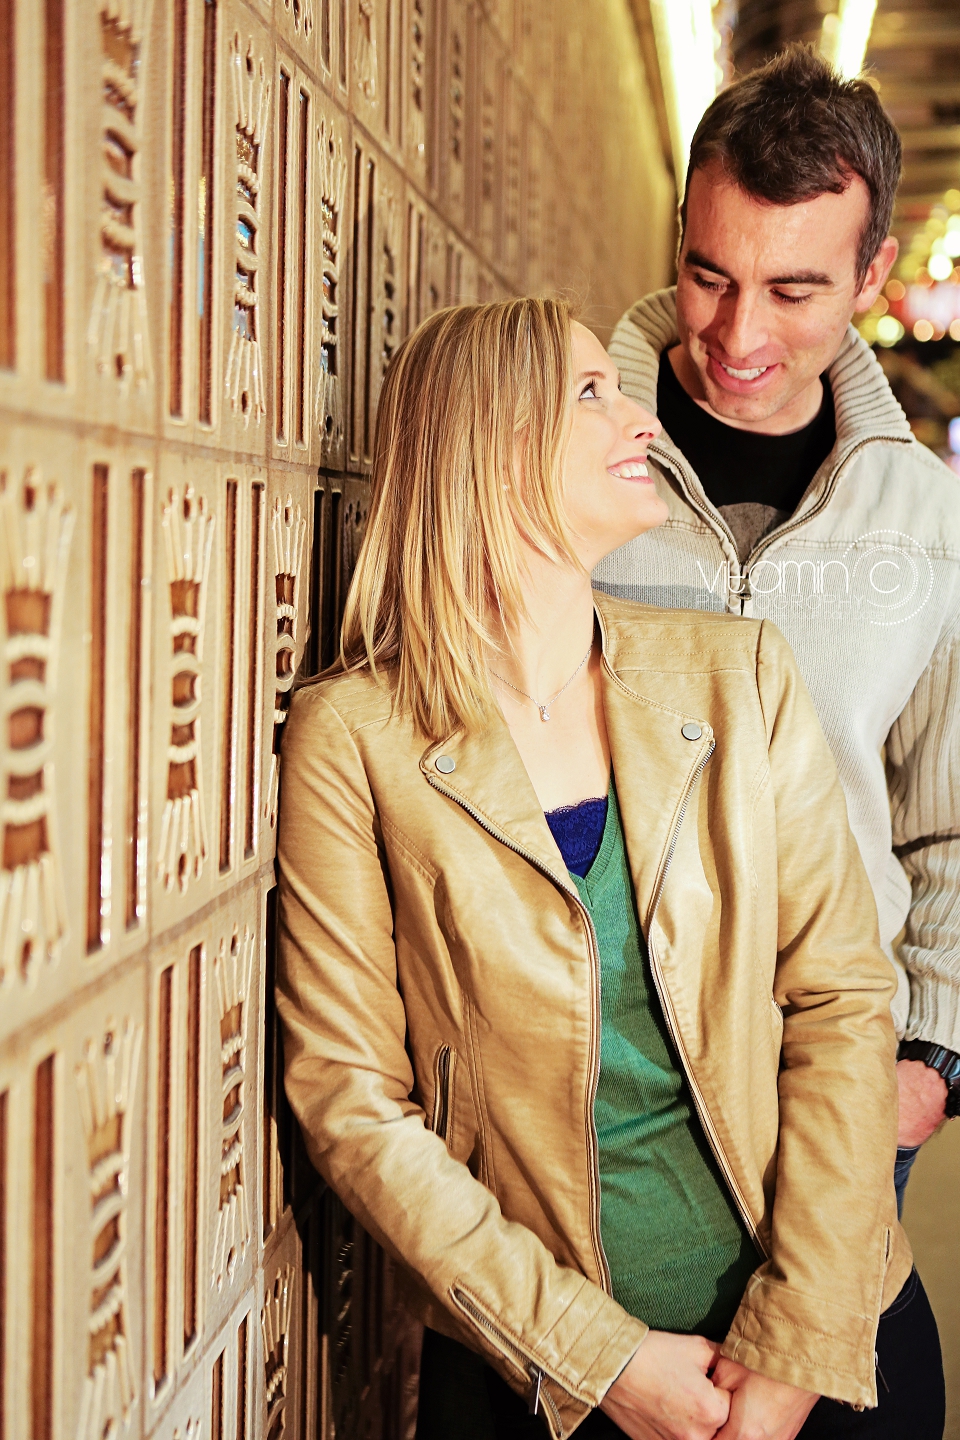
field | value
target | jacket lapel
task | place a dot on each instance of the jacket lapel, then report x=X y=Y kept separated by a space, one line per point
x=491 y=782
x=654 y=765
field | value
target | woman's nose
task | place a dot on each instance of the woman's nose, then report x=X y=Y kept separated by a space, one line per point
x=641 y=425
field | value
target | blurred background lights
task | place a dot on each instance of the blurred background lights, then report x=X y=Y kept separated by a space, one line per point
x=909 y=52
x=889 y=330
x=685 y=40
x=845 y=35
x=940 y=267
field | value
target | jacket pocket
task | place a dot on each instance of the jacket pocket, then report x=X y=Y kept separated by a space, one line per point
x=443 y=1068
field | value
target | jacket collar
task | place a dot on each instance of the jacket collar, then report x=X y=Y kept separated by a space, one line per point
x=864 y=403
x=653 y=762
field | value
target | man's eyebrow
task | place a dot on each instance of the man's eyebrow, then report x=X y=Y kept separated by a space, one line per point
x=800 y=277
x=702 y=262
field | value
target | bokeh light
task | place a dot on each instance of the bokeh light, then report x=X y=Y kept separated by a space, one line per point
x=889 y=330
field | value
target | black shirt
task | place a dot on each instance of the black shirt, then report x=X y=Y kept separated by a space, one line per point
x=756 y=481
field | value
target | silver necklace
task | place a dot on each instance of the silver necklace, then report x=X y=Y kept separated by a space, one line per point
x=544 y=706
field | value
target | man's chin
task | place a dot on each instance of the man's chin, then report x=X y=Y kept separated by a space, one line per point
x=759 y=406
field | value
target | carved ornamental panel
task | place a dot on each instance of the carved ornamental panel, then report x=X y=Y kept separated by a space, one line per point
x=36 y=526
x=117 y=332
x=188 y=536
x=244 y=383
x=106 y=1082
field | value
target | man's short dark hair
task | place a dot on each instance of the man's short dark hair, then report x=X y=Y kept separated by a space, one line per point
x=793 y=129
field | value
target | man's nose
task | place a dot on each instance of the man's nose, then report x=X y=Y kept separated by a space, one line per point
x=742 y=330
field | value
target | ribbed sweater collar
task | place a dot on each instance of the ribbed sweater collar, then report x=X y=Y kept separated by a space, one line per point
x=864 y=403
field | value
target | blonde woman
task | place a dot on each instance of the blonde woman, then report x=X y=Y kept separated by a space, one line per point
x=585 y=1014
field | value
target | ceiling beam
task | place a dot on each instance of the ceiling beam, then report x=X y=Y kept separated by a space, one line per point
x=924 y=174
x=920 y=202
x=923 y=137
x=923 y=90
x=913 y=36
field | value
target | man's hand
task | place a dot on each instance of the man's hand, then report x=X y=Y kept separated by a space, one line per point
x=760 y=1409
x=923 y=1099
x=664 y=1393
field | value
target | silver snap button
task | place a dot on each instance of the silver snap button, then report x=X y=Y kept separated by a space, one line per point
x=445 y=764
x=690 y=731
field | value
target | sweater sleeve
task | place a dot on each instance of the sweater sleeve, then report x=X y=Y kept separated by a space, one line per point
x=627 y=349
x=923 y=763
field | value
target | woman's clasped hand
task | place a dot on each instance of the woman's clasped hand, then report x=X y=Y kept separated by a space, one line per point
x=678 y=1387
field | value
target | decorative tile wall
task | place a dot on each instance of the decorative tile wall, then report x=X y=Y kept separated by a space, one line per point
x=222 y=217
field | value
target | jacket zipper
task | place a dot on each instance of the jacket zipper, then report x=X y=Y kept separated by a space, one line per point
x=536 y=1394
x=788 y=527
x=670 y=1016
x=594 y=949
x=442 y=1099
x=831 y=486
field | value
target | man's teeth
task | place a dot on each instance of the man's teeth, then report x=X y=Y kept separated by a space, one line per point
x=745 y=374
x=628 y=472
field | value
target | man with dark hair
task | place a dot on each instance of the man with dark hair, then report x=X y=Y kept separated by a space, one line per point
x=798 y=493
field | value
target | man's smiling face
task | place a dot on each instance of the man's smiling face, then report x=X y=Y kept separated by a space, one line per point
x=764 y=296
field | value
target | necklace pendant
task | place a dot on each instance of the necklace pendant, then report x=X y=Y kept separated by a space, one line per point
x=544 y=713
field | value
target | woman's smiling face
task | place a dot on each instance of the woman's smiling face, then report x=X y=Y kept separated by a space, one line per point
x=608 y=496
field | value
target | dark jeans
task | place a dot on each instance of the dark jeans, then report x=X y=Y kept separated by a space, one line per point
x=901 y=1171
x=461 y=1398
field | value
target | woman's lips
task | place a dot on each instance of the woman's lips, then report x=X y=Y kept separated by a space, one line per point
x=632 y=469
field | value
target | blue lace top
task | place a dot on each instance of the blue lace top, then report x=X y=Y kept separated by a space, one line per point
x=578 y=831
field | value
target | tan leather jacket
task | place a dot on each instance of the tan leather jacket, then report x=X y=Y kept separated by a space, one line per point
x=438 y=986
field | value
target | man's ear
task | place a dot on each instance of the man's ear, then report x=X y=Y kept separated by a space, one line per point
x=877 y=272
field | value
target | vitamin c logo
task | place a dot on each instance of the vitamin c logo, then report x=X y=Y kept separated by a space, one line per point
x=885 y=574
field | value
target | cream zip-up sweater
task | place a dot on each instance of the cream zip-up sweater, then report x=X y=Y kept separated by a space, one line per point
x=864 y=581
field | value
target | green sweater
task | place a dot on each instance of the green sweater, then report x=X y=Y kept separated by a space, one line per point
x=679 y=1253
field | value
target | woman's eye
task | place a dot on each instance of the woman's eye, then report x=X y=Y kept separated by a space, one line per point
x=589 y=392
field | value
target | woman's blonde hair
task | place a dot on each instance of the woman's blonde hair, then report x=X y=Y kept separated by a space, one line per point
x=471 y=430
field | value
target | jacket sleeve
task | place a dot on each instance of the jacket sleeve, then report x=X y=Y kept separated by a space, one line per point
x=837 y=1084
x=349 y=1079
x=923 y=765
